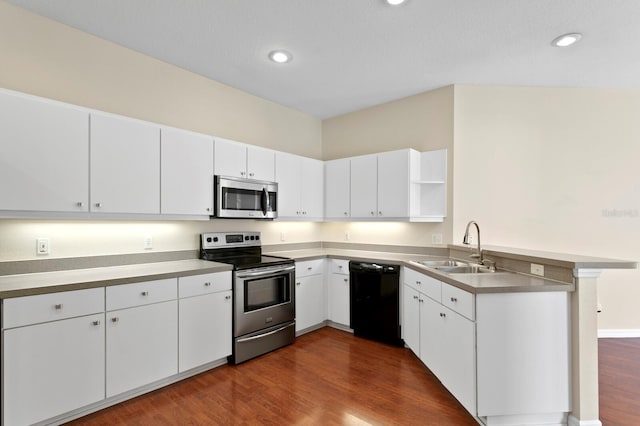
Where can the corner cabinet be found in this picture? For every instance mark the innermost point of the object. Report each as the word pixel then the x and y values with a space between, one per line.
pixel 44 155
pixel 300 187
pixel 339 295
pixel 337 194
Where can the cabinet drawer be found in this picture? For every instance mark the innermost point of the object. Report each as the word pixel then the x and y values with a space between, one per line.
pixel 339 266
pixel 458 300
pixel 423 283
pixel 144 293
pixel 309 267
pixel 197 285
pixel 27 310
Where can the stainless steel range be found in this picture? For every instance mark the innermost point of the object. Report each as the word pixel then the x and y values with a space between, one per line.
pixel 263 292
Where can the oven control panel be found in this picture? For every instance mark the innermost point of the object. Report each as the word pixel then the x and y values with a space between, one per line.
pixel 212 240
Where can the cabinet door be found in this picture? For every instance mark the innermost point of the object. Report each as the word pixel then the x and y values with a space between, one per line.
pixel 125 166
pixel 205 329
pixel 52 368
pixel 186 173
pixel 289 184
pixel 142 346
pixel 309 301
pixel 411 319
pixel 364 186
pixel 312 191
pixel 44 153
pixel 339 305
pixel 261 163
pixel 230 158
pixel 458 358
pixel 393 184
pixel 431 334
pixel 337 178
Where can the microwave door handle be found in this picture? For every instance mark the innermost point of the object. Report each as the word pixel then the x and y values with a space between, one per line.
pixel 265 201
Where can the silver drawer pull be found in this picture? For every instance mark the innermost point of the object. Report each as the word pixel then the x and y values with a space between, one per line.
pixel 339 266
pixel 227 297
pixel 443 315
pixel 80 204
pixel 297 283
pixel 415 297
pixel 115 319
pixel 419 282
pixel 145 293
pixel 96 322
pixel 309 268
pixel 454 299
pixel 98 204
pixel 207 284
pixel 58 306
pixel 346 279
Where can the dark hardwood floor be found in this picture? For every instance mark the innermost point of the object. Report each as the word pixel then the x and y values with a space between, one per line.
pixel 332 377
pixel 327 377
pixel 619 370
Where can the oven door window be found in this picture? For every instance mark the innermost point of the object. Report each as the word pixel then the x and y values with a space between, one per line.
pixel 265 292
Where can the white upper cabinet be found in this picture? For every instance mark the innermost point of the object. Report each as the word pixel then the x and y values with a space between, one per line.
pixel 397 185
pixel 337 178
pixel 186 173
pixel 125 165
pixel 241 160
pixel 364 186
pixel 44 151
pixel 300 187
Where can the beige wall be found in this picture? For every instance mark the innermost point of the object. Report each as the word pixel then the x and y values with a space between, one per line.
pixel 47 59
pixel 423 122
pixel 544 168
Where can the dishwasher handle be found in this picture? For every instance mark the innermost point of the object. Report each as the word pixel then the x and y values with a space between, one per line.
pixel 372 267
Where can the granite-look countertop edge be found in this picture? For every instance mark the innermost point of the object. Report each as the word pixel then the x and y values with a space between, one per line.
pixel 77 279
pixel 499 282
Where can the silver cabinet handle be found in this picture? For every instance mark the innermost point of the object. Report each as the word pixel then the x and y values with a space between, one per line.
pixel 419 282
pixel 339 266
pixel 115 319
pixel 380 213
pixel 421 300
pixel 96 322
pixel 415 297
pixel 145 293
pixel 227 297
pixel 208 209
pixel 309 268
pixel 80 204
pixel 443 315
pixel 297 283
pixel 346 279
pixel 454 299
pixel 373 213
pixel 346 214
pixel 98 204
pixel 58 306
pixel 251 174
pixel 207 284
pixel 242 173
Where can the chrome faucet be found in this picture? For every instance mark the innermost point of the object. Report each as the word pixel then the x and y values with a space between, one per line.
pixel 465 240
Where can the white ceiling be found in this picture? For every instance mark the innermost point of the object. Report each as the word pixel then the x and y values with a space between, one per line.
pixel 351 54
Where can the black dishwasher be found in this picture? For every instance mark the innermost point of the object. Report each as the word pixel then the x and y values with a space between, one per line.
pixel 375 301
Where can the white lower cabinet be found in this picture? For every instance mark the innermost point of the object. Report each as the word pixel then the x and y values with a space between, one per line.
pixel 142 339
pixel 205 312
pixel 339 305
pixel 444 340
pixel 310 294
pixel 50 368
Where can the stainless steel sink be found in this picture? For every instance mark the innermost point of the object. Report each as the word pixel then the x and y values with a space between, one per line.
pixel 443 263
pixel 468 269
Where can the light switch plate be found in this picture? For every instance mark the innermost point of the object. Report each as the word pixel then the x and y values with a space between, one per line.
pixel 42 246
pixel 148 243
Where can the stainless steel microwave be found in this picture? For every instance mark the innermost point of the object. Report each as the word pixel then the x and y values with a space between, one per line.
pixel 245 198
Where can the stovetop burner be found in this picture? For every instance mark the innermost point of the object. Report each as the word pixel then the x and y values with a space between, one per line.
pixel 241 249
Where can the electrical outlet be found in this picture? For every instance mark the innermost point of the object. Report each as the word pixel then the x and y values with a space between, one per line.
pixel 283 236
pixel 148 243
pixel 436 238
pixel 537 269
pixel 42 246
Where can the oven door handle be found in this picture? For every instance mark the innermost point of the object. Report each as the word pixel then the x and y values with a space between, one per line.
pixel 260 336
pixel 252 273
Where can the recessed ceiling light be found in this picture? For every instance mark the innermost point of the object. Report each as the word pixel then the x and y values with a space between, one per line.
pixel 566 40
pixel 395 2
pixel 280 56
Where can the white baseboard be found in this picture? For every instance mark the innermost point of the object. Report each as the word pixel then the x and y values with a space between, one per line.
pixel 618 333
pixel 575 422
